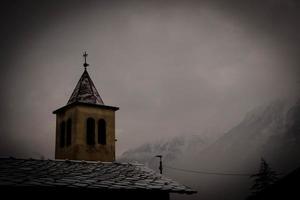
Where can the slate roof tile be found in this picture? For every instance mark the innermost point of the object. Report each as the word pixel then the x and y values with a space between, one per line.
pixel 85 91
pixel 87 174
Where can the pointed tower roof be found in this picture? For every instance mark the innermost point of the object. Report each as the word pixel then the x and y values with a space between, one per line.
pixel 85 91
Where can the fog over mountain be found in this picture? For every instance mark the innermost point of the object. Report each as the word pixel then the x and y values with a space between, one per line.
pixel 270 131
pixel 173 67
pixel 172 149
pixel 195 81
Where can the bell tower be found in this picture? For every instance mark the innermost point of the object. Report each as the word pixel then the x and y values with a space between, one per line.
pixel 85 127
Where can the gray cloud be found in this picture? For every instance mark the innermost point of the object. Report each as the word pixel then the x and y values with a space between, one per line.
pixel 173 67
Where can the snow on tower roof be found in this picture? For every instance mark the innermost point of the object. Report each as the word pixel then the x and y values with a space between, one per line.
pixel 85 91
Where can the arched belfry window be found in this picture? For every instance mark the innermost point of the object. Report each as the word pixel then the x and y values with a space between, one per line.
pixel 101 131
pixel 69 132
pixel 90 131
pixel 62 138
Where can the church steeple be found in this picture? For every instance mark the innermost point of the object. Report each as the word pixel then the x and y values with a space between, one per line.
pixel 85 127
pixel 85 90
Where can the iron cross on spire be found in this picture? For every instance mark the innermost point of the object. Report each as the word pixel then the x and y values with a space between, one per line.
pixel 85 64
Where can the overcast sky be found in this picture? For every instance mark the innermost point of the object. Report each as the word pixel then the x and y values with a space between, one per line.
pixel 173 67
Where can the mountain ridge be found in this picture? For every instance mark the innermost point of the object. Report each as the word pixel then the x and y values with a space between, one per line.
pixel 270 131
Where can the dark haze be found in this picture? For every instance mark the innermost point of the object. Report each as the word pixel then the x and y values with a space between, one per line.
pixel 173 67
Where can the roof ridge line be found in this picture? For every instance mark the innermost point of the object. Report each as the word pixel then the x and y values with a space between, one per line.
pixel 80 83
pixel 91 83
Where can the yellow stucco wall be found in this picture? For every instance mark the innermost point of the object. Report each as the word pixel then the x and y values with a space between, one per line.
pixel 79 150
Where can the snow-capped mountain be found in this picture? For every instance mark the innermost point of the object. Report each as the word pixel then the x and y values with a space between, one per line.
pixel 172 150
pixel 270 131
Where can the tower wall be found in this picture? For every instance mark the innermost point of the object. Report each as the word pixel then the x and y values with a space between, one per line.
pixel 79 149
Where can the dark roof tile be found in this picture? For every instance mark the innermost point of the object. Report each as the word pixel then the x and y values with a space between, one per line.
pixel 88 174
pixel 85 91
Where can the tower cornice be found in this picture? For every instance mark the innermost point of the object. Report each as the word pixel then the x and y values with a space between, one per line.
pixel 85 104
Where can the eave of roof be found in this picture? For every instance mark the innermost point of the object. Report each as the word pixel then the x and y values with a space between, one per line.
pixel 85 104
pixel 109 176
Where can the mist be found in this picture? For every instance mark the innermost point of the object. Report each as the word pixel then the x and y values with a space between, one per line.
pixel 173 67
